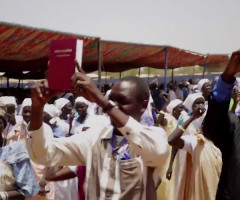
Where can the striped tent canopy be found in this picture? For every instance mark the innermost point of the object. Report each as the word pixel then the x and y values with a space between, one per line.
pixel 27 49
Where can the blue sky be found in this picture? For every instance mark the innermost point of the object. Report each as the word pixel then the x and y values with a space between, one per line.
pixel 206 26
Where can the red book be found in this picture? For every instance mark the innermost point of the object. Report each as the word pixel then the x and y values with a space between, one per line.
pixel 63 54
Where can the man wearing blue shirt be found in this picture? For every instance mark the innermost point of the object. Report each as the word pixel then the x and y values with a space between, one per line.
pixel 223 128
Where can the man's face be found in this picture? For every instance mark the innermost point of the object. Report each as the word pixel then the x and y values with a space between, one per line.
pixel 26 113
pixel 124 95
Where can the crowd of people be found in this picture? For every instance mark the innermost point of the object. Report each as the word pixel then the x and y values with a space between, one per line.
pixel 134 142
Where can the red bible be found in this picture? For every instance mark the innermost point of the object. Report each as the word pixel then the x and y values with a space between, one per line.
pixel 63 54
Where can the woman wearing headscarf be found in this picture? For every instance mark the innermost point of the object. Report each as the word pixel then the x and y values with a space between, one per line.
pixel 65 108
pixel 82 107
pixel 182 156
pixel 16 175
pixel 62 189
pixel 86 116
pixel 204 159
pixel 12 118
pixel 20 129
pixel 21 135
pixel 169 121
pixel 204 87
pixel 51 117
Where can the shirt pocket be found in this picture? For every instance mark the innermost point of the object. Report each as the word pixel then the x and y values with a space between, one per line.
pixel 131 179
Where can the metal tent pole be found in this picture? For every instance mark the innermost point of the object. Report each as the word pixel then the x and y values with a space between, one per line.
pixel 172 74
pixel 7 82
pixel 205 66
pixel 166 67
pixel 105 78
pixel 99 65
pixel 148 74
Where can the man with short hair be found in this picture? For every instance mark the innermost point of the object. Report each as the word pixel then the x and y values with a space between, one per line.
pixel 123 159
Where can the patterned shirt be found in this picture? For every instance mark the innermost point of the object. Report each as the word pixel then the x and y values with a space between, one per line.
pixel 16 170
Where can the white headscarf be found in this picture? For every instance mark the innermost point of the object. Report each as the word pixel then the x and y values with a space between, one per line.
pixel 26 102
pixel 188 103
pixel 52 111
pixel 91 107
pixel 8 100
pixel 60 103
pixel 83 100
pixel 173 104
pixel 201 83
pixel 67 95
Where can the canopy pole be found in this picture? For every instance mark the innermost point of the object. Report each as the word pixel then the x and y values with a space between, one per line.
pixel 99 66
pixel 148 74
pixel 205 66
pixel 19 83
pixel 120 75
pixel 105 78
pixel 172 74
pixel 139 71
pixel 7 82
pixel 166 68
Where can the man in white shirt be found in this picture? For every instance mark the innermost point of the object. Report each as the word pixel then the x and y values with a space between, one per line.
pixel 123 159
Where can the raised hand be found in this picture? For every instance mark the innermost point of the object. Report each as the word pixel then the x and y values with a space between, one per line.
pixel 233 66
pixel 198 111
pixel 169 174
pixel 41 94
pixel 84 86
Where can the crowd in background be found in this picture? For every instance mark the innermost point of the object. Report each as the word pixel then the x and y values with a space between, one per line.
pixel 192 170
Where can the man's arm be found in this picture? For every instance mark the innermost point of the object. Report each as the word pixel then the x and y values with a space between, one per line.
pixel 60 175
pixel 216 125
pixel 51 151
pixel 149 142
pixel 46 149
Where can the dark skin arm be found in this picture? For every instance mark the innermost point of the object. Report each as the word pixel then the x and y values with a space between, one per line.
pixel 88 89
pixel 63 174
pixel 232 68
pixel 173 155
pixel 71 117
pixel 161 120
pixel 13 195
pixel 175 139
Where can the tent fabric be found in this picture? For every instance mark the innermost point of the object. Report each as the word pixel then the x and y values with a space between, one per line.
pixel 27 49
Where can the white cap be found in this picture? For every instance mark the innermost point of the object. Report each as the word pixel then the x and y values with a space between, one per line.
pixel 60 103
pixel 8 100
pixel 26 102
pixel 188 103
pixel 201 83
pixel 173 104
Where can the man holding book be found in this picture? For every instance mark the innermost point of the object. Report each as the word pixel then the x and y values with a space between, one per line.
pixel 123 160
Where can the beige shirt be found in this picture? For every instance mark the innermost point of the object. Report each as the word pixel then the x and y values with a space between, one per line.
pixel 108 177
